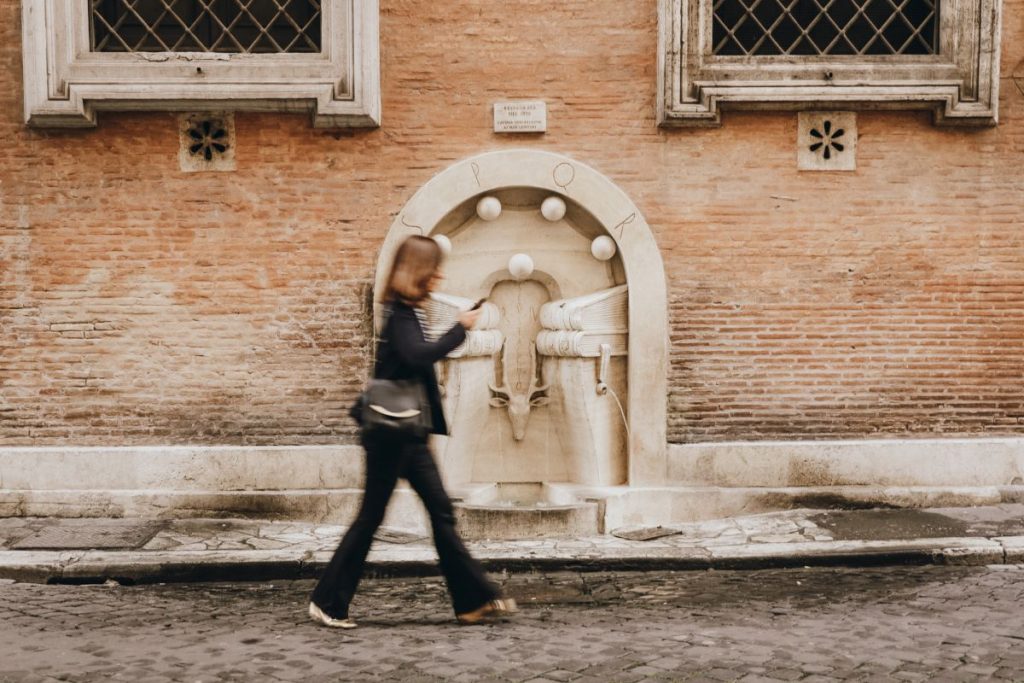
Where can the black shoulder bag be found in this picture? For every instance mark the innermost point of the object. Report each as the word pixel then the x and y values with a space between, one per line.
pixel 393 407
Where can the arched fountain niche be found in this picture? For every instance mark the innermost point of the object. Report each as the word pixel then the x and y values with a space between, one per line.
pixel 560 391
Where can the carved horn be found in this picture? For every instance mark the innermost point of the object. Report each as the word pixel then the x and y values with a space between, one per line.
pixel 534 371
pixel 503 389
pixel 502 392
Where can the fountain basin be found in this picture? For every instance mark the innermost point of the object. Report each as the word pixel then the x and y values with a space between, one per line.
pixel 510 510
pixel 520 494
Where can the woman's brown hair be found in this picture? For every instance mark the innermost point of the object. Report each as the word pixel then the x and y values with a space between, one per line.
pixel 416 261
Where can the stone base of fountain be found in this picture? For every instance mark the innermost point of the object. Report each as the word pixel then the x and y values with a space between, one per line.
pixel 524 510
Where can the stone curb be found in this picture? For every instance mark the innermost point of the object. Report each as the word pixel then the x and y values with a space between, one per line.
pixel 92 566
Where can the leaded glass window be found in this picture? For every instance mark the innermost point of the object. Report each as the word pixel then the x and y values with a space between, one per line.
pixel 825 27
pixel 232 26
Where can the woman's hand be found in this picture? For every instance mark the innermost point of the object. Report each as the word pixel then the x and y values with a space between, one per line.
pixel 468 318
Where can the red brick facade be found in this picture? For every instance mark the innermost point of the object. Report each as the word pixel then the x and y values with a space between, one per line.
pixel 143 305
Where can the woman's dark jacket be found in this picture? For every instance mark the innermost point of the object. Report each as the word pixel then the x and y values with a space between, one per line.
pixel 405 353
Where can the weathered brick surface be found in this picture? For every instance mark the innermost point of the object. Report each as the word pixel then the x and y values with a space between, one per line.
pixel 139 304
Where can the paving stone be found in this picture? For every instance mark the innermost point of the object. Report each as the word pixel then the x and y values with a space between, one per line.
pixel 666 663
pixel 106 534
pixel 816 669
pixel 644 670
pixel 776 538
pixel 161 542
pixel 979 669
pixel 197 545
pixel 786 674
pixel 265 543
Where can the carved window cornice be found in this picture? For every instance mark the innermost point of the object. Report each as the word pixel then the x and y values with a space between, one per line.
pixel 959 82
pixel 66 82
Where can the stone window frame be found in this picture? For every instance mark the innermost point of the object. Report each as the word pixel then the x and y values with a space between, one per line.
pixel 960 84
pixel 66 83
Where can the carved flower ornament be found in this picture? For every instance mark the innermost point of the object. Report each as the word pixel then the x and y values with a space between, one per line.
pixel 828 139
pixel 209 139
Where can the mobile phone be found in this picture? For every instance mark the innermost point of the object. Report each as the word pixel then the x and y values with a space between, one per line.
pixel 478 304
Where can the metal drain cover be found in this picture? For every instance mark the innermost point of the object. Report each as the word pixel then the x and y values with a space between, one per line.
pixel 105 536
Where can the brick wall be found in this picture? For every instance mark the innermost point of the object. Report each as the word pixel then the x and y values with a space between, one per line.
pixel 143 305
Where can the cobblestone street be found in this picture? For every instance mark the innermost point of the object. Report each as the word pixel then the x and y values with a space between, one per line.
pixel 910 623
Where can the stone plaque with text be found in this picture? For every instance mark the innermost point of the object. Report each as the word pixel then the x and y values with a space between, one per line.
pixel 525 116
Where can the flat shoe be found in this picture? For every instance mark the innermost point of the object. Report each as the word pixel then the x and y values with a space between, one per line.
pixel 319 616
pixel 489 611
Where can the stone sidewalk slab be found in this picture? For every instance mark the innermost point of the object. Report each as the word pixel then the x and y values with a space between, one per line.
pixel 202 550
pixel 1014 548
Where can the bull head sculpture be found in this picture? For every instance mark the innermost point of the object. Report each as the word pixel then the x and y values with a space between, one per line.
pixel 519 403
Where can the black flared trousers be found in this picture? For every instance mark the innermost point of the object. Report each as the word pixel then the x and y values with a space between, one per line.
pixel 387 459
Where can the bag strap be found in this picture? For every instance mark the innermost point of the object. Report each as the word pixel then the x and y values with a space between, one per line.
pixel 386 313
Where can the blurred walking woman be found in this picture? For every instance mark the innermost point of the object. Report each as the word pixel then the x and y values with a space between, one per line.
pixel 404 353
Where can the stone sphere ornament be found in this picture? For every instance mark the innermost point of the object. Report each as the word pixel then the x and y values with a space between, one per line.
pixel 444 243
pixel 521 266
pixel 603 248
pixel 553 208
pixel 488 208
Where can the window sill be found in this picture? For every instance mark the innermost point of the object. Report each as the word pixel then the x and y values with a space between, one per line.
pixel 66 85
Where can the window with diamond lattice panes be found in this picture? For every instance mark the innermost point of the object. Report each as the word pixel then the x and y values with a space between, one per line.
pixel 842 55
pixel 227 26
pixel 82 57
pixel 825 27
